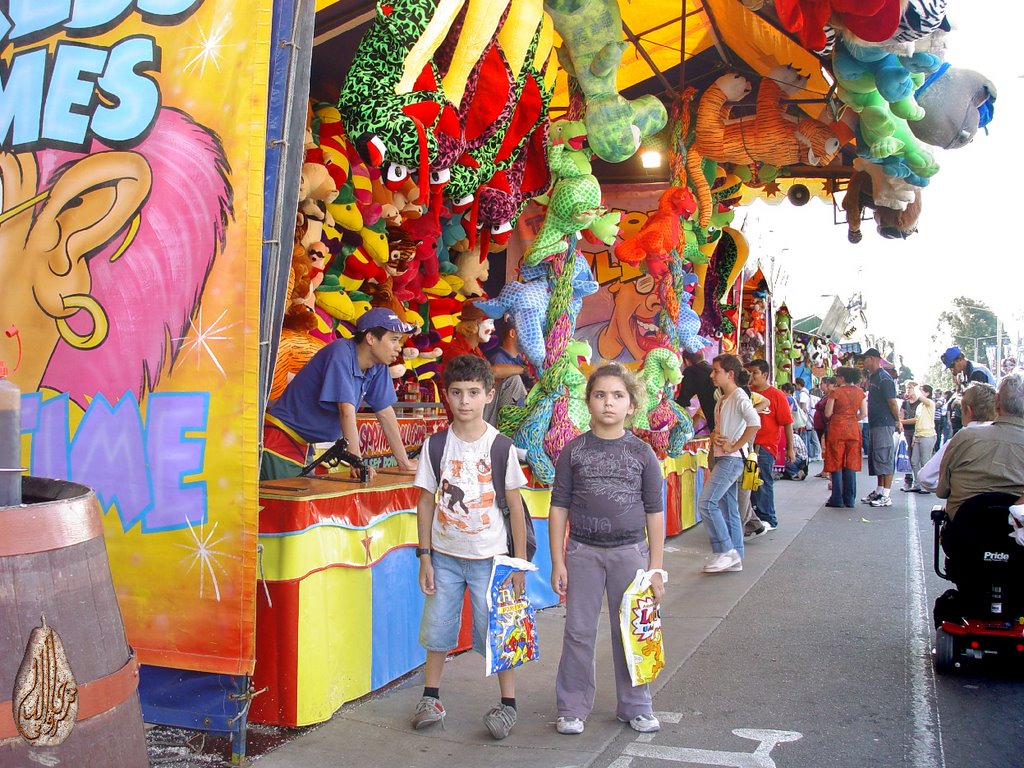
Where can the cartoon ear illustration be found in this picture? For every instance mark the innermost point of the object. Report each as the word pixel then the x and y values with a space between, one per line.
pixel 89 204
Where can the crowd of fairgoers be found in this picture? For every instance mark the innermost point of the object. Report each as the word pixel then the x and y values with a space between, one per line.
pixel 858 414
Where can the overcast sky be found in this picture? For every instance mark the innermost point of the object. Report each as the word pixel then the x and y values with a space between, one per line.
pixel 971 228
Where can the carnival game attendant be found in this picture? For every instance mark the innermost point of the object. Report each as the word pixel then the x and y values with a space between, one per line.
pixel 319 405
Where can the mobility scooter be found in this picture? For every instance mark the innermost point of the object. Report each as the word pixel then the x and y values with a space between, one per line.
pixel 984 614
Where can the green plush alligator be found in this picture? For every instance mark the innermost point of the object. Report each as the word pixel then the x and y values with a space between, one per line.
pixel 593 47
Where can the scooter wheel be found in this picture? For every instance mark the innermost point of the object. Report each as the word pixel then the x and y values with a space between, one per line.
pixel 945 651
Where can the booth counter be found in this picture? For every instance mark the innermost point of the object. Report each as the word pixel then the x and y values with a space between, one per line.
pixel 338 609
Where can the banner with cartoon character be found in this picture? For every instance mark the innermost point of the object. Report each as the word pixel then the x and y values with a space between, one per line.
pixel 131 154
pixel 619 320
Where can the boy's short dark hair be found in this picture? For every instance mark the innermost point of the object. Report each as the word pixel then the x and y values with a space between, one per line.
pixel 377 332
pixel 503 325
pixel 761 365
pixel 468 368
pixel 800 382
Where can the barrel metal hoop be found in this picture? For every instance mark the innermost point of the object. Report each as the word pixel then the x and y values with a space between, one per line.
pixel 32 528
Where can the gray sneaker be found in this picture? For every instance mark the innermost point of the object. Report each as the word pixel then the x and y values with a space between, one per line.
pixel 569 726
pixel 499 720
pixel 871 497
pixel 428 711
pixel 645 723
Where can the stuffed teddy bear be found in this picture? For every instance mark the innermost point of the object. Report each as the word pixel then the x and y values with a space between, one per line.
pixel 473 270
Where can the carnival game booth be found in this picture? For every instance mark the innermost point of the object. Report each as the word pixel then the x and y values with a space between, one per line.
pixel 149 324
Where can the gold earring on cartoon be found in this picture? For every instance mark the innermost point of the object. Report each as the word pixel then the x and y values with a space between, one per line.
pixel 100 324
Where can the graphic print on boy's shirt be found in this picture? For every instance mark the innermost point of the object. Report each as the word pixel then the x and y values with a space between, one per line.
pixel 466 497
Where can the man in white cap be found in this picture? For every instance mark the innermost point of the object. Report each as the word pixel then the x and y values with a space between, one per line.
pixel 319 405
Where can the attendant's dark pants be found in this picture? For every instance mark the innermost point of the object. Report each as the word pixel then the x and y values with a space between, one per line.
pixel 764 497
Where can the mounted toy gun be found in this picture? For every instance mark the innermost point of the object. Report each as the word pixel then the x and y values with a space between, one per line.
pixel 335 455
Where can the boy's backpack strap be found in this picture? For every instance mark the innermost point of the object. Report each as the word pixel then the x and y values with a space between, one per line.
pixel 500 449
pixel 435 452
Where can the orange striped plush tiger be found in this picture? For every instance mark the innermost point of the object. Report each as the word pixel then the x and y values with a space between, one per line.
pixel 772 135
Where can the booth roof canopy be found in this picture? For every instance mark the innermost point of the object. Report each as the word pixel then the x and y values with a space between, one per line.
pixel 720 36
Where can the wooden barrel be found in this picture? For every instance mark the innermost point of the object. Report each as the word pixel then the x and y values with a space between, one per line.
pixel 63 650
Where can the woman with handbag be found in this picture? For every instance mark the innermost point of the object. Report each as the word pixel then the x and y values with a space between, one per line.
pixel 846 405
pixel 736 424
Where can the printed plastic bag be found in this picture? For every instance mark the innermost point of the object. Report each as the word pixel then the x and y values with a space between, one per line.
pixel 511 628
pixel 902 455
pixel 640 622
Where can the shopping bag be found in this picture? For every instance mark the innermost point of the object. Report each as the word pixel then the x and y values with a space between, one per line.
pixel 751 477
pixel 640 624
pixel 511 627
pixel 902 456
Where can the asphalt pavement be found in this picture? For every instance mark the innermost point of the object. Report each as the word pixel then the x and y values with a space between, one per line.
pixel 817 654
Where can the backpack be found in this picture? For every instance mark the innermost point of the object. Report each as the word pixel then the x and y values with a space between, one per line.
pixel 499 462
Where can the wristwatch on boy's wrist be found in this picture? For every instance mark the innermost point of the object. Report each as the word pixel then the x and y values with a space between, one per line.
pixel 421 551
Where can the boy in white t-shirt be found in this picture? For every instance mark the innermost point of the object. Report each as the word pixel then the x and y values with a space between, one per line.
pixel 460 531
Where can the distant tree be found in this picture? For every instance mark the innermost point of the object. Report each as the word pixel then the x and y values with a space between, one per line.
pixel 969 320
pixel 939 376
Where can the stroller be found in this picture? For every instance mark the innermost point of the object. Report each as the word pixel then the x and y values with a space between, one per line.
pixel 984 614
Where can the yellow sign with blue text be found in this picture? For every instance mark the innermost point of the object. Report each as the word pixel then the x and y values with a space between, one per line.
pixel 132 138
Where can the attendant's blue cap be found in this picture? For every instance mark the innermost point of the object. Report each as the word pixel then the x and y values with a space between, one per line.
pixel 382 317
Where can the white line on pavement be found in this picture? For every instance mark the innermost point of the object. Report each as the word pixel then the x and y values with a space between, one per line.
pixel 927 736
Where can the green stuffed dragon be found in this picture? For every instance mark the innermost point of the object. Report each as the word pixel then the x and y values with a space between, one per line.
pixel 591 31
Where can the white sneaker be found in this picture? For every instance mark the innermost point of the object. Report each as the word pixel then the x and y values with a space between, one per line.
pixel 569 725
pixel 737 567
pixel 871 497
pixel 882 501
pixel 722 561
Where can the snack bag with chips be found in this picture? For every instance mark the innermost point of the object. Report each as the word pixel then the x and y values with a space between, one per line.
pixel 640 622
pixel 511 631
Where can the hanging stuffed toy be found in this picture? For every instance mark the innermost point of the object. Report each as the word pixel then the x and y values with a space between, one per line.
pixel 871 20
pixel 297 345
pixel 387 104
pixel 883 136
pixel 897 204
pixel 660 234
pixel 575 203
pixel 591 31
pixel 772 136
pixel 956 103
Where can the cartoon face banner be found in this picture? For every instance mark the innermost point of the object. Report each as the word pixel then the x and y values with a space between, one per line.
pixel 619 320
pixel 131 156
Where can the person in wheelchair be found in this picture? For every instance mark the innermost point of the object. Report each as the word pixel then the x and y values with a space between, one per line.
pixel 990 458
pixel 982 476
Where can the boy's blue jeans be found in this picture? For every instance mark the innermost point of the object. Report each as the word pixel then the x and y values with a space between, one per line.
pixel 442 611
